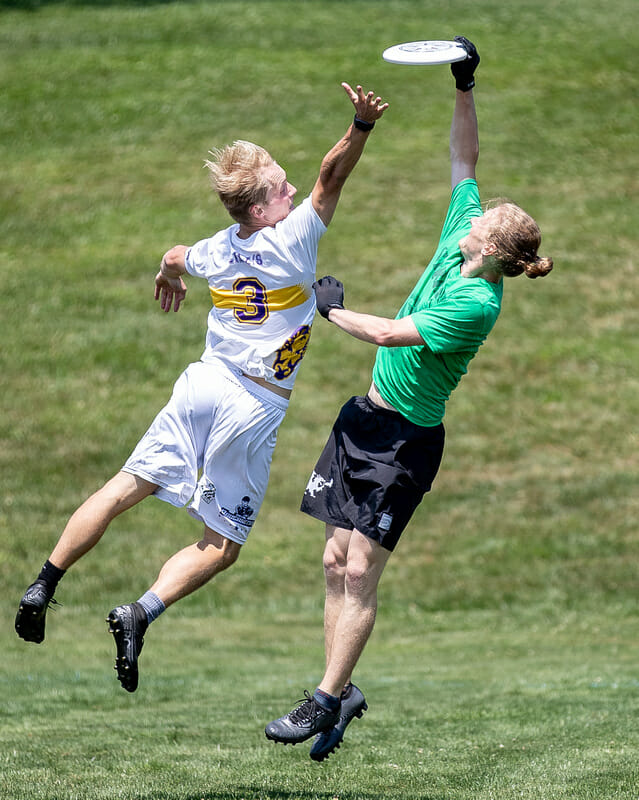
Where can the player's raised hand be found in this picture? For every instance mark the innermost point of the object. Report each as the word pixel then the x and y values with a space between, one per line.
pixel 169 291
pixel 368 106
pixel 464 71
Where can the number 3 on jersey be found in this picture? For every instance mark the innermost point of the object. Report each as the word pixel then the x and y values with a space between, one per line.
pixel 255 308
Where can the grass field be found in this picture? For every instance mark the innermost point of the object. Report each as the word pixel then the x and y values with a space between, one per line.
pixel 505 661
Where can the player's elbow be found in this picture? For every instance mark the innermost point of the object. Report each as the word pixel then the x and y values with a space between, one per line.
pixel 333 174
pixel 174 259
pixel 397 333
pixel 385 335
pixel 333 185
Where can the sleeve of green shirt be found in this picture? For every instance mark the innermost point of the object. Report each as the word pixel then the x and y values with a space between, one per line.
pixel 455 325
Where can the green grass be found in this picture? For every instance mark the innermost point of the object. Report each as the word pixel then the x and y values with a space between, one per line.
pixel 504 661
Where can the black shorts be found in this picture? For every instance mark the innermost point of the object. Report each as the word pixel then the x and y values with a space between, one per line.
pixel 373 472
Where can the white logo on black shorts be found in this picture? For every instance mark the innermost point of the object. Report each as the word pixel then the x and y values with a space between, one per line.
pixel 317 484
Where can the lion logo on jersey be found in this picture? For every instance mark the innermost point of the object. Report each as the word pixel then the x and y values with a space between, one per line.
pixel 291 352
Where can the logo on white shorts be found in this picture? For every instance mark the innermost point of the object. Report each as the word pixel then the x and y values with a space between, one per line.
pixel 317 484
pixel 242 514
pixel 208 493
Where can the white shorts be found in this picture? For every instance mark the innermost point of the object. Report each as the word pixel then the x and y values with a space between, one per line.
pixel 212 444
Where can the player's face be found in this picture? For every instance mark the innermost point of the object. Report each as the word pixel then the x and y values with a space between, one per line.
pixel 279 200
pixel 480 227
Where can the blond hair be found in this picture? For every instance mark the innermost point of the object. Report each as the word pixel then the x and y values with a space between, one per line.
pixel 517 238
pixel 239 177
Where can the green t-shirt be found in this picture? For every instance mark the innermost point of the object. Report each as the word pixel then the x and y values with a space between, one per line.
pixel 453 315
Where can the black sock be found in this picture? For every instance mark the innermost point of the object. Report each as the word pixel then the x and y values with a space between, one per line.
pixel 327 701
pixel 50 575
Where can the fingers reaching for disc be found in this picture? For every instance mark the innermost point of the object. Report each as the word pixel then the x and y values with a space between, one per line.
pixel 368 106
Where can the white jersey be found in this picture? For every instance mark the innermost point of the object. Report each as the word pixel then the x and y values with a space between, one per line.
pixel 261 288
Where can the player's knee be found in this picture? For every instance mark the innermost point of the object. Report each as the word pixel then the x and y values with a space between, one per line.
pixel 230 553
pixel 122 492
pixel 221 551
pixel 359 579
pixel 334 562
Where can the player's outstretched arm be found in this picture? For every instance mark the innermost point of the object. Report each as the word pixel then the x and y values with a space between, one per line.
pixel 464 137
pixel 170 289
pixel 340 161
pixel 384 332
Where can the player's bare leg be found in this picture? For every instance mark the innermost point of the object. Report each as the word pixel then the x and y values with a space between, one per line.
pixel 183 573
pixel 195 565
pixel 321 713
pixel 353 702
pixel 85 528
pixel 365 563
pixel 335 556
pixel 82 532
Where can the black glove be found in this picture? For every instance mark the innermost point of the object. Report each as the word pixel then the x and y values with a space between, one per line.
pixel 464 71
pixel 329 293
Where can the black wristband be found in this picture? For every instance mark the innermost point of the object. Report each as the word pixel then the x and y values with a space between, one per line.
pixel 362 125
pixel 465 85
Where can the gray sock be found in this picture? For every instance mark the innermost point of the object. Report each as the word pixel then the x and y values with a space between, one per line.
pixel 152 604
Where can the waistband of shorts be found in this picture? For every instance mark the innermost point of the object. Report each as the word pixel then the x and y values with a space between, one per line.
pixel 390 412
pixel 372 406
pixel 261 391
pixel 375 397
pixel 234 374
pixel 280 391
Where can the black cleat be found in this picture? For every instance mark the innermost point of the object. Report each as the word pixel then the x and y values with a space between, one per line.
pixel 304 721
pixel 128 624
pixel 353 705
pixel 32 612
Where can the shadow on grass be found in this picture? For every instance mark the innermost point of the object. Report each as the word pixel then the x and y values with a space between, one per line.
pixel 257 793
pixel 34 5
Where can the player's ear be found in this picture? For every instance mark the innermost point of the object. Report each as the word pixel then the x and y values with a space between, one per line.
pixel 256 212
pixel 489 249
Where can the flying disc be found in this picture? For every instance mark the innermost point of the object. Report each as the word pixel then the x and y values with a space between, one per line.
pixel 432 51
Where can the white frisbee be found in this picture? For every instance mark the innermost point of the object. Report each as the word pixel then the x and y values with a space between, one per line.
pixel 432 51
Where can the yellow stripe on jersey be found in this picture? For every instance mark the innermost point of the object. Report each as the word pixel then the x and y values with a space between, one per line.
pixel 274 300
